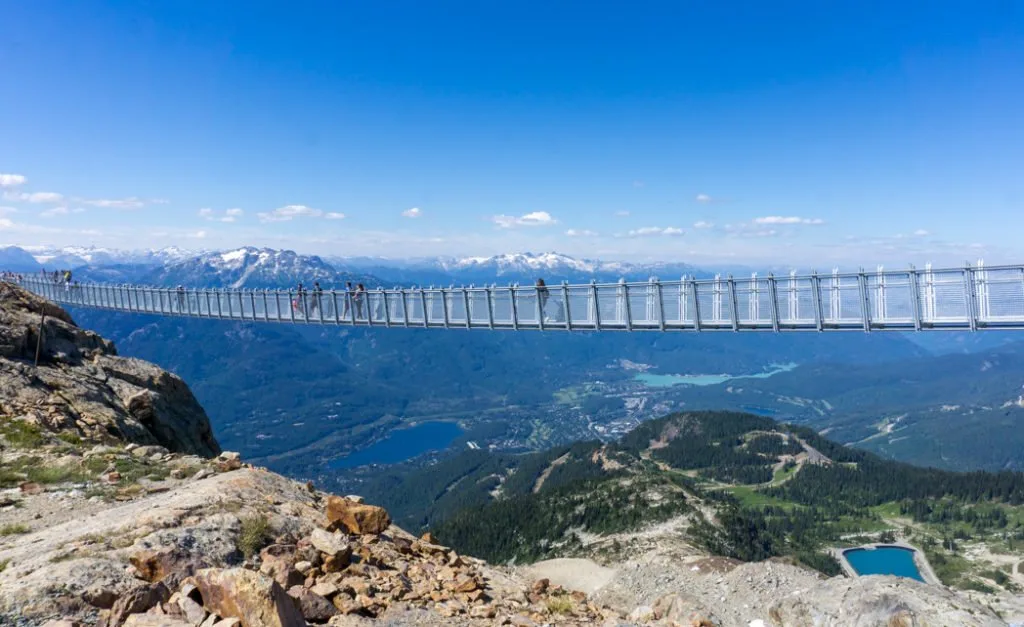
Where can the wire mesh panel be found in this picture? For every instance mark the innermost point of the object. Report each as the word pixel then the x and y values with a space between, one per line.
pixel 501 304
pixel 840 300
pixel 581 305
pixel 794 297
pixel 527 301
pixel 891 295
pixel 611 305
pixel 643 305
pixel 753 302
pixel 713 303
pixel 476 301
pixel 1000 294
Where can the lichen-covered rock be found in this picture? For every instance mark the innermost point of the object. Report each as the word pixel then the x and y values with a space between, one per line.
pixel 255 599
pixel 355 517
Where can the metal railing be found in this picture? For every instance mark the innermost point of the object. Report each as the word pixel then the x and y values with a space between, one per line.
pixel 968 298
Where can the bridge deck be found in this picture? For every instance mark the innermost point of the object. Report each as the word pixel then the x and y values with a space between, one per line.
pixel 969 298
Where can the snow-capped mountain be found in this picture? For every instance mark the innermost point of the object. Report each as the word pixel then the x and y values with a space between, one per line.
pixel 270 268
pixel 522 262
pixel 253 268
pixel 78 256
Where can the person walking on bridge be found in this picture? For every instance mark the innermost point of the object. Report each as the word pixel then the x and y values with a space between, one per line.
pixel 346 300
pixel 360 296
pixel 315 298
pixel 542 296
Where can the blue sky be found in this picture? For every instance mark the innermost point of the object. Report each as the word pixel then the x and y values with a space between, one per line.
pixel 856 133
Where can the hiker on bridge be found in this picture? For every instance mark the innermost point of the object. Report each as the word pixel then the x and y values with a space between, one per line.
pixel 318 293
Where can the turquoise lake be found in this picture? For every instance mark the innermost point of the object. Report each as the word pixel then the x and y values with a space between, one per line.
pixel 666 380
pixel 887 560
pixel 403 444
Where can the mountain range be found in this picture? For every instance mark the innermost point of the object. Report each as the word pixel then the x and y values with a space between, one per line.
pixel 261 267
pixel 347 388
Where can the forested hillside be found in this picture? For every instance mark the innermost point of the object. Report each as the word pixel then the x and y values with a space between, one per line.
pixel 750 488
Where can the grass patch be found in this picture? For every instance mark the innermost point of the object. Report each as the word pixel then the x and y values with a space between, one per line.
pixel 950 569
pixel 255 534
pixel 4 564
pixel 976 586
pixel 749 497
pixel 13 530
pixel 55 474
pixel 70 438
pixel 560 605
pixel 21 434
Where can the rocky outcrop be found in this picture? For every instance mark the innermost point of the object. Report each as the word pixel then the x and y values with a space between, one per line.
pixel 869 601
pixel 355 517
pixel 81 388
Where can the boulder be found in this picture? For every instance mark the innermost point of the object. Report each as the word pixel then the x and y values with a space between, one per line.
pixel 331 544
pixel 156 565
pixel 684 611
pixel 313 606
pixel 138 601
pixel 357 518
pixel 278 562
pixel 193 611
pixel 257 600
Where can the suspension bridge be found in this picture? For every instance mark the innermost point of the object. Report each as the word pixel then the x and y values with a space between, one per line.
pixel 970 298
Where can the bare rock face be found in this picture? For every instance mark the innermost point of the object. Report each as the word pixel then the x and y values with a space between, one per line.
pixel 249 596
pixel 869 601
pixel 83 388
pixel 344 513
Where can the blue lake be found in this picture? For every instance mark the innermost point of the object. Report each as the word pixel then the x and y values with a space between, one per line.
pixel 403 444
pixel 666 380
pixel 887 560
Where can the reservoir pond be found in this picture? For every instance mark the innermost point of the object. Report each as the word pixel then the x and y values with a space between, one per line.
pixel 403 444
pixel 885 560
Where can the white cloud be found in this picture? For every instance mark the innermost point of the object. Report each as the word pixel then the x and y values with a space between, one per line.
pixel 289 212
pixel 653 231
pixel 415 212
pixel 230 215
pixel 334 215
pixel 622 214
pixel 198 235
pixel 12 180
pixel 131 202
pixel 7 210
pixel 703 198
pixel 702 224
pixel 581 233
pixel 56 211
pixel 535 218
pixel 787 220
pixel 35 197
pixel 6 223
pixel 921 233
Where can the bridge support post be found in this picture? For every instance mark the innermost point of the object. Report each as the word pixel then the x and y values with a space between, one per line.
pixel 865 302
pixel 773 295
pixel 915 298
pixel 695 303
pixel 734 310
pixel 969 293
pixel 816 303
